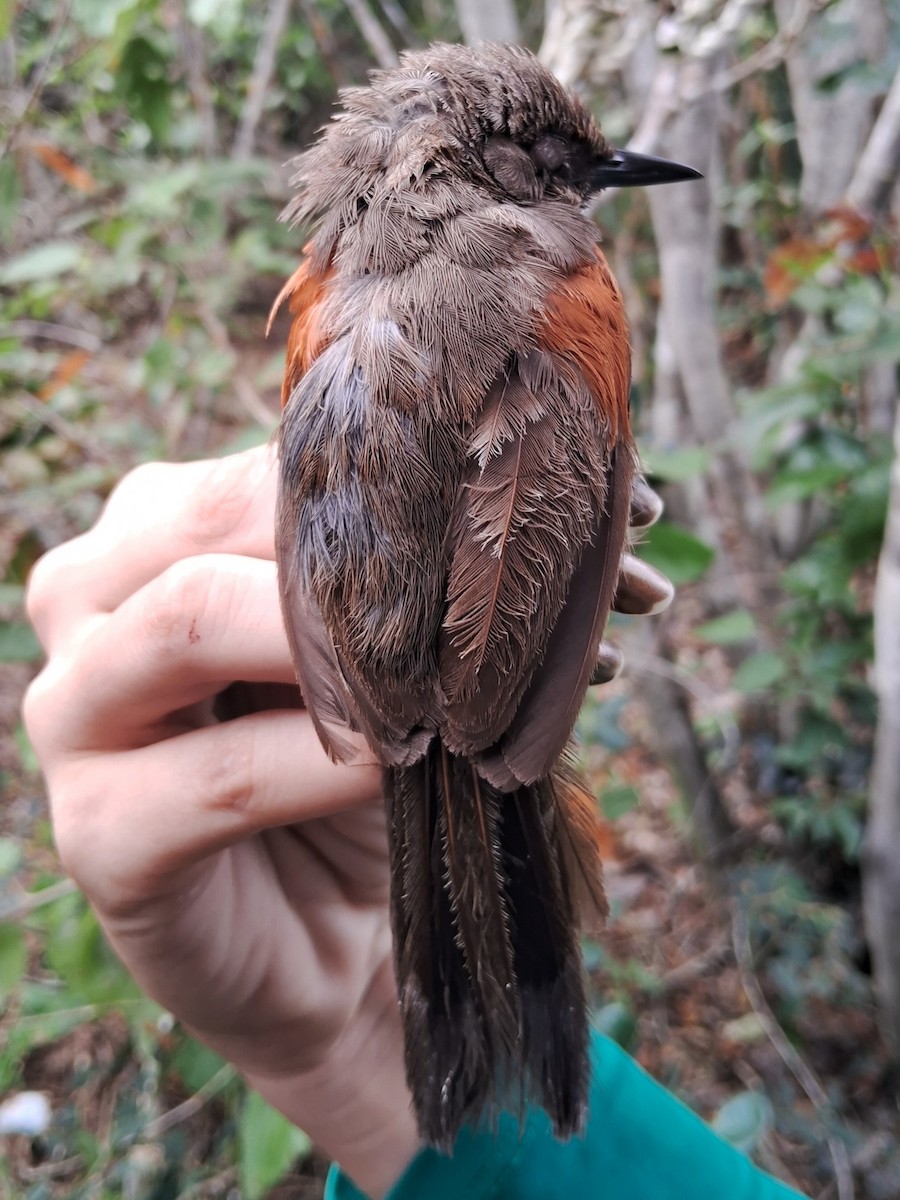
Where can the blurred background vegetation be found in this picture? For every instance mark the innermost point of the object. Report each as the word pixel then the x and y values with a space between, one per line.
pixel 142 145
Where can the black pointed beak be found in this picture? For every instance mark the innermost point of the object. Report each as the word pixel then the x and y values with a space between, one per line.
pixel 626 169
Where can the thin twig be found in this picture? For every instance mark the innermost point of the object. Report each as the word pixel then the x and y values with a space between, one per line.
pixel 195 61
pixel 694 968
pixel 19 909
pixel 802 1072
pixel 222 1179
pixel 40 77
pixel 773 53
pixel 55 1169
pixel 246 393
pixel 656 664
pixel 370 27
pixel 876 171
pixel 56 333
pixel 263 70
pixel 190 1107
pixel 67 430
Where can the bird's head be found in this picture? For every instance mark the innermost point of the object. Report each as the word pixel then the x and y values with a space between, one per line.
pixel 490 117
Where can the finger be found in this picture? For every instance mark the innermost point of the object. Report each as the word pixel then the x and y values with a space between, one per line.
pixel 129 825
pixel 609 664
pixel 646 505
pixel 180 639
pixel 158 514
pixel 641 590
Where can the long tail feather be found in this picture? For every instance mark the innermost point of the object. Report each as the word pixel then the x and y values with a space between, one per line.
pixel 489 971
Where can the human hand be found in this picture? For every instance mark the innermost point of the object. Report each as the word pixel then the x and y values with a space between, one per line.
pixel 241 876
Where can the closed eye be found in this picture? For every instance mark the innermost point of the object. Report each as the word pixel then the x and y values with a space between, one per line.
pixel 549 153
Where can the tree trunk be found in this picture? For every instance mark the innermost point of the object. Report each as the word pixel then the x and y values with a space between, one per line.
pixel 481 21
pixel 833 122
pixel 881 857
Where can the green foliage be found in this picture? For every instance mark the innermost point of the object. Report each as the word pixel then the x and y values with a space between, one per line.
pixel 13 959
pixel 617 799
pixel 617 1021
pixel 729 630
pixel 268 1144
pixel 744 1120
pixel 138 260
pixel 807 437
pixel 677 553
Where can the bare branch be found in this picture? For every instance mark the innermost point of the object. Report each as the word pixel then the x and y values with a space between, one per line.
pixel 190 1107
pixel 263 70
pixel 881 859
pixel 370 27
pixel 488 22
pixel 40 78
pixel 798 1067
pixel 876 171
pixel 195 62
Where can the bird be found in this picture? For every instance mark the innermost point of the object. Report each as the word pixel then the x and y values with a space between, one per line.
pixel 457 478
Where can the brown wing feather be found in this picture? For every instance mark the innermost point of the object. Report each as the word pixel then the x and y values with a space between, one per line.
pixel 325 690
pixel 327 696
pixel 522 516
pixel 544 721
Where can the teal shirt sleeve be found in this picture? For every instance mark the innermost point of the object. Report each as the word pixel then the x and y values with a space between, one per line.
pixel 641 1143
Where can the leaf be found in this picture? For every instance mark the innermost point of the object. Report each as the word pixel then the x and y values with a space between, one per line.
pixel 98 18
pixel 6 16
pixel 47 261
pixel 157 195
pixel 676 552
pixel 616 1021
pixel 221 17
pixel 195 1064
pixel 759 672
pixel 676 465
pixel 11 594
pixel 9 194
pixel 744 1030
pixel 793 261
pixel 599 723
pixel 13 959
pixel 63 166
pixel 618 800
pixel 10 856
pixel 268 1144
pixel 18 642
pixel 67 369
pixel 744 1120
pixel 728 630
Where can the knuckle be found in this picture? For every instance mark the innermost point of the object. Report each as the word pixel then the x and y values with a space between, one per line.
pixel 39 706
pixel 45 591
pixel 219 500
pixel 79 824
pixel 140 485
pixel 176 601
pixel 229 781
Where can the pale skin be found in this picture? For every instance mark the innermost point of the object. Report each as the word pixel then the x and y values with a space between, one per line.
pixel 241 876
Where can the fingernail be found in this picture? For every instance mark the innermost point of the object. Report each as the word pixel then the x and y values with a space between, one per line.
pixel 646 505
pixel 642 590
pixel 609 664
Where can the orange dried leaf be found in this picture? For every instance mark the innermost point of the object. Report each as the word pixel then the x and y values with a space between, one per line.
pixel 75 176
pixel 66 369
pixel 790 264
pixel 853 225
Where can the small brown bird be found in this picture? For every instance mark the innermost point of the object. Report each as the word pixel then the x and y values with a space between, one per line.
pixel 457 474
